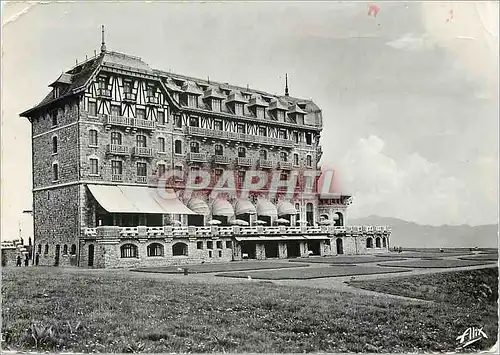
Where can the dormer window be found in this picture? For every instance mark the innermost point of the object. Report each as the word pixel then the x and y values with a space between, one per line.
pixel 259 112
pixel 280 115
pixel 56 92
pixel 175 96
pixel 216 105
pixel 238 108
pixel 192 100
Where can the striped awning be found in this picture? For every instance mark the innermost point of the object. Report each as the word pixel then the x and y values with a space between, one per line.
pixel 243 206
pixel 266 208
pixel 285 207
pixel 198 206
pixel 136 199
pixel 222 208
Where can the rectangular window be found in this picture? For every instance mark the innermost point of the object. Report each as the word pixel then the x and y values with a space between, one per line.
pixel 177 121
pixel 282 134
pixel 194 121
pixel 192 101
pixel 141 169
pixel 93 137
pixel 150 91
pixel 296 159
pixel 54 117
pixel 280 115
pixel 102 82
pixel 308 138
pixel 199 245
pixel 94 168
pixel 220 253
pixel 218 125
pixel 127 87
pixel 116 138
pixel 219 244
pixel 216 105
pixel 218 174
pixel 238 109
pixel 209 253
pixel 161 118
pixel 263 131
pixel 116 167
pixel 92 109
pixel 161 170
pixel 296 137
pixel 229 245
pixel 210 244
pixel 141 141
pixel 140 113
pixel 55 172
pixel 240 177
pixel 259 112
pixel 218 149
pixel 241 128
pixel 242 152
pixel 161 144
pixel 115 110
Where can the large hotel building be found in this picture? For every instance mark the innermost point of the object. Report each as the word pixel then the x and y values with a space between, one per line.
pixel 112 127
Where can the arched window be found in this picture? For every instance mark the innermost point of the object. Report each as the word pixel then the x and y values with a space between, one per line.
pixel 296 159
pixel 263 154
pixel 161 144
pixel 195 147
pixel 73 249
pixel 46 249
pixel 377 242
pixel 65 249
pixel 155 249
pixel 54 145
pixel 179 249
pixel 116 138
pixel 339 220
pixel 242 152
pixel 93 137
pixel 39 248
pixel 178 147
pixel 369 242
pixel 218 149
pixel 384 242
pixel 55 172
pixel 309 161
pixel 129 251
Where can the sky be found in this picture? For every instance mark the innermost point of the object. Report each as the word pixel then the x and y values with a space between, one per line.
pixel 409 93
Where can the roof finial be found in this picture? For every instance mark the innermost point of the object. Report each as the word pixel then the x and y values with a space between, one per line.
pixel 103 45
pixel 208 79
pixel 286 84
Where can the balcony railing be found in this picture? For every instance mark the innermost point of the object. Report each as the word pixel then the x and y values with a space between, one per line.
pixel 143 124
pixel 152 100
pixel 215 231
pixel 241 137
pixel 264 163
pixel 142 152
pixel 118 149
pixel 128 96
pixel 142 179
pixel 221 159
pixel 244 161
pixel 117 120
pixel 197 157
pixel 285 165
pixel 102 92
pixel 117 177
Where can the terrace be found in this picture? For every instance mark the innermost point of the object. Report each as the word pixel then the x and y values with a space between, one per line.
pixel 114 232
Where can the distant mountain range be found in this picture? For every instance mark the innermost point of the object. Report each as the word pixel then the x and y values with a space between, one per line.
pixel 413 235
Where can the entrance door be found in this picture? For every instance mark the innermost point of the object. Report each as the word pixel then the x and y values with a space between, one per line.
pixel 272 249
pixel 58 253
pixel 248 248
pixel 340 246
pixel 91 255
pixel 293 249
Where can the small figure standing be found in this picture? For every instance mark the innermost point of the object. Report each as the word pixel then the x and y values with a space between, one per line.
pixel 18 260
pixel 26 261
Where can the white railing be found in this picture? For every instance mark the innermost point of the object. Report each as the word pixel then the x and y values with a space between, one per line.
pixel 208 231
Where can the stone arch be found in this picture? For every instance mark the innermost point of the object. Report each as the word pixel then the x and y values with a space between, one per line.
pixel 369 243
pixel 155 249
pixel 339 219
pixel 179 249
pixel 384 242
pixel 129 250
pixel 377 242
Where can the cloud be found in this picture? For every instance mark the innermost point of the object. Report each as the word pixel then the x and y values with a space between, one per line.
pixel 411 42
pixel 412 188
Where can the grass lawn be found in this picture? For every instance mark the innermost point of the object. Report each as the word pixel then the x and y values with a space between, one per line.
pixel 343 259
pixel 435 263
pixel 487 257
pixel 423 255
pixel 206 268
pixel 57 310
pixel 313 273
pixel 472 292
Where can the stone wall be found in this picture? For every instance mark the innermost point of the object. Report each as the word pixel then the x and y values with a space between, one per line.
pixel 56 218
